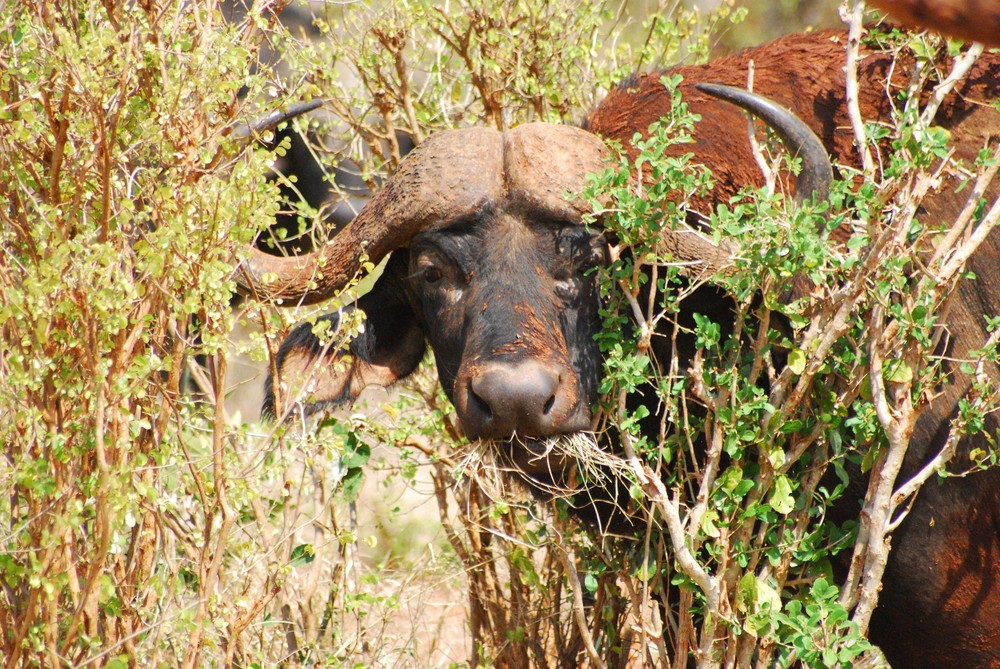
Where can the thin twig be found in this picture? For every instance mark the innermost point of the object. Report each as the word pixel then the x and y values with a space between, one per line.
pixel 755 147
pixel 568 559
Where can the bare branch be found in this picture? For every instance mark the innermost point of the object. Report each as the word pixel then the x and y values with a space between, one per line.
pixel 852 12
pixel 959 69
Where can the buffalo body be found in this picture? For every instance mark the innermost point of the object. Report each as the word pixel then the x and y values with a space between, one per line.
pixel 491 269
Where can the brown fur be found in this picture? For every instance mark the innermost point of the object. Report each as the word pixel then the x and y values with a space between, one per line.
pixel 804 73
pixel 977 20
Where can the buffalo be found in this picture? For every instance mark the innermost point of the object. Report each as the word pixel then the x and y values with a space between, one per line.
pixel 490 266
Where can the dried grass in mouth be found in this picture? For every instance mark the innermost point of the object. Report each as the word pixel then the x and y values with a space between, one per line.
pixel 575 464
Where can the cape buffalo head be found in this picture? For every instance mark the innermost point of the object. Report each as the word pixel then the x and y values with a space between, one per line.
pixel 492 267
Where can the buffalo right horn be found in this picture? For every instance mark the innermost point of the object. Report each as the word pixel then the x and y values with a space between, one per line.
pixel 251 131
pixel 451 174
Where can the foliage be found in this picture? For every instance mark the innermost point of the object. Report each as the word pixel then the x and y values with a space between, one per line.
pixel 147 522
pixel 814 378
pixel 125 197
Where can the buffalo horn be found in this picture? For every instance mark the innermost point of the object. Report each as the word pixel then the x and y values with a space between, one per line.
pixel 449 176
pixel 250 131
pixel 817 172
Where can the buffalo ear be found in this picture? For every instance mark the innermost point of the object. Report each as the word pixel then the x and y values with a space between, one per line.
pixel 320 374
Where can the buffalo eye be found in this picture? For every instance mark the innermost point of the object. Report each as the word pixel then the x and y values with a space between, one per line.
pixel 579 253
pixel 565 290
pixel 597 251
pixel 431 274
pixel 589 259
pixel 428 269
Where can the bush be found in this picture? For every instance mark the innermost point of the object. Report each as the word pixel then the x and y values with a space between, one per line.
pixel 125 197
pixel 149 523
pixel 807 393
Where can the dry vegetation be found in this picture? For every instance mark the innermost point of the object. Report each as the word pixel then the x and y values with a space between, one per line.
pixel 146 521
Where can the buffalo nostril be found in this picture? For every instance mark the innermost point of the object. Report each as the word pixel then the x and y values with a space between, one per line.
pixel 547 409
pixel 482 405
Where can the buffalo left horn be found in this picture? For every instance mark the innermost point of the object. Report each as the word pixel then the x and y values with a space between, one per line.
pixel 700 255
pixel 817 172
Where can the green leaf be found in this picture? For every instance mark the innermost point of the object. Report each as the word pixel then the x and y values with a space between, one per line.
pixel 792 426
pixel 350 485
pixel 897 371
pixel 776 456
pixel 797 361
pixel 303 554
pixel 708 526
pixel 781 499
pixel 756 595
pixel 356 454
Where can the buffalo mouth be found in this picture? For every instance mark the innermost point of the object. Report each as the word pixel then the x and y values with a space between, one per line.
pixel 577 467
pixel 555 464
pixel 552 457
